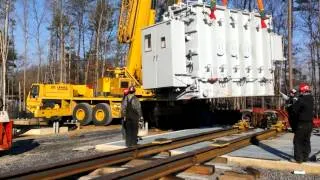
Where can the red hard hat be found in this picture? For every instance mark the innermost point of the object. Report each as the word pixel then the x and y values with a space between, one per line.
pixel 132 89
pixel 303 88
pixel 125 92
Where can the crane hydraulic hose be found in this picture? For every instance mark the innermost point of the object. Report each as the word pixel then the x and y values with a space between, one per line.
pixel 225 2
pixel 262 13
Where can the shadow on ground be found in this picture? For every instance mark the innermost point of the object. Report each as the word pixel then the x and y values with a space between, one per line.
pixel 315 157
pixel 22 146
pixel 274 151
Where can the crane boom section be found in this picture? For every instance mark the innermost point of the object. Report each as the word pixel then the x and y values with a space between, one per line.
pixel 135 15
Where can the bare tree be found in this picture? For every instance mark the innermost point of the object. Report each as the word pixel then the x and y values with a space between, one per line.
pixel 50 75
pixel 62 60
pixel 97 21
pixel 4 42
pixel 89 57
pixel 25 27
pixel 59 28
pixel 100 21
pixel 78 11
pixel 39 18
pixel 309 16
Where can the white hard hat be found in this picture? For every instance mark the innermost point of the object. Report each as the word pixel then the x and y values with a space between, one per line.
pixel 293 91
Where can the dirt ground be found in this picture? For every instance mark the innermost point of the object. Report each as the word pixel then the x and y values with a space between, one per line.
pixel 31 151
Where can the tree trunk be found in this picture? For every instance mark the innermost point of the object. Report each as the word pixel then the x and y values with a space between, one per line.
pixel 77 74
pixel 26 38
pixel 4 52
pixel 83 48
pixel 71 72
pixel 97 51
pixel 318 58
pixel 20 109
pixel 97 59
pixel 104 57
pixel 39 21
pixel 62 67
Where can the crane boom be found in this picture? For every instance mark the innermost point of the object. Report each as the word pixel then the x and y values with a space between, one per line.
pixel 135 15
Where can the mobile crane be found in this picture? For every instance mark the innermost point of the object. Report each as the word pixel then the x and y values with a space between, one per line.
pixel 84 104
pixel 100 105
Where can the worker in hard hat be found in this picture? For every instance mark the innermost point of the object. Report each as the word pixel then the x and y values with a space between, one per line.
pixel 304 111
pixel 132 115
pixel 293 98
pixel 123 112
pixel 289 101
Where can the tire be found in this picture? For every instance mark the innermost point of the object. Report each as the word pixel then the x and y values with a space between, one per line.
pixel 82 113
pixel 101 115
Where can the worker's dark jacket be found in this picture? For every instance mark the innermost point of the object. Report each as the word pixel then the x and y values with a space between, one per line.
pixel 289 104
pixel 303 108
pixel 131 107
pixel 292 115
pixel 124 105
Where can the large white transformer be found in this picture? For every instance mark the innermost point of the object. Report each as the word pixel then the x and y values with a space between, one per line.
pixel 199 57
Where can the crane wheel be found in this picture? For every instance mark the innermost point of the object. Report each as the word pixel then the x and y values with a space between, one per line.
pixel 101 114
pixel 82 113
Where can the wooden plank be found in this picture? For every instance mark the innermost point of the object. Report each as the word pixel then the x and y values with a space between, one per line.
pixel 29 122
pixel 176 152
pixel 165 154
pixel 219 143
pixel 221 160
pixel 106 170
pixel 232 177
pixel 44 131
pixel 101 171
pixel 201 169
pixel 309 168
pixel 135 162
pixel 161 141
pixel 83 148
pixel 108 147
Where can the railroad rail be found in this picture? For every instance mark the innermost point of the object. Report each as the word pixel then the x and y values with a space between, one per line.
pixel 84 165
pixel 164 167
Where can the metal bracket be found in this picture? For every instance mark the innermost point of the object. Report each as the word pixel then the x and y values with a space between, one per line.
pixel 241 81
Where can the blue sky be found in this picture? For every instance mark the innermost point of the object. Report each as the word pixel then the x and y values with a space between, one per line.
pixel 42 6
pixel 44 36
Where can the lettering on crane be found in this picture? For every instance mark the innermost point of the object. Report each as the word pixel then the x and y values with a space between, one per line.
pixel 62 88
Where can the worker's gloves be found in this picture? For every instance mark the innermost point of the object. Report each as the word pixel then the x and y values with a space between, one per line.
pixel 285 97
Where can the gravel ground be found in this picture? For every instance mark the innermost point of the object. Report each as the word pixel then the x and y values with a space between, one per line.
pixel 27 153
pixel 38 151
pixel 267 174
